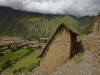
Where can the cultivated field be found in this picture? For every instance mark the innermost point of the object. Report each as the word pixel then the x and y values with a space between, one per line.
pixel 18 61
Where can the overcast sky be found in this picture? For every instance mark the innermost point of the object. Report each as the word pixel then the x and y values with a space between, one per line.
pixel 75 7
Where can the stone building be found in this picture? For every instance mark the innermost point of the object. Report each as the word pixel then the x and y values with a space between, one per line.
pixel 58 49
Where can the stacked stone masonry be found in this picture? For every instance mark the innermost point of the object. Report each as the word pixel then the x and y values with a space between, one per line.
pixel 92 43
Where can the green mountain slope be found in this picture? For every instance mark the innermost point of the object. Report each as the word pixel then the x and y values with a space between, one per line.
pixel 86 23
pixel 29 25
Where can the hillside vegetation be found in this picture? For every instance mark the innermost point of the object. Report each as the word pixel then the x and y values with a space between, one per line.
pixel 29 25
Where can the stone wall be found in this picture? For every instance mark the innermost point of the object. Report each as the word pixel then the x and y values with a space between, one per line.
pixel 96 28
pixel 92 43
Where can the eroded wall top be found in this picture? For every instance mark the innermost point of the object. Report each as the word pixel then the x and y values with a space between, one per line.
pixel 96 29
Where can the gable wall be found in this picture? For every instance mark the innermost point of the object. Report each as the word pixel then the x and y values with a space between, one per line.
pixel 58 51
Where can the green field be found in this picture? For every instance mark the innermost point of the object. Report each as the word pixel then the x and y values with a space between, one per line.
pixel 10 55
pixel 23 62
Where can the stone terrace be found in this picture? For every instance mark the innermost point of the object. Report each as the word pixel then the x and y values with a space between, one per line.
pixel 92 43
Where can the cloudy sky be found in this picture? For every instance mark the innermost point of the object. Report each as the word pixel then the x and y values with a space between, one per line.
pixel 75 7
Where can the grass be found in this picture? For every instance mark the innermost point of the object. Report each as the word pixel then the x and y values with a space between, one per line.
pixel 10 55
pixel 23 62
pixel 87 46
pixel 5 52
pixel 79 57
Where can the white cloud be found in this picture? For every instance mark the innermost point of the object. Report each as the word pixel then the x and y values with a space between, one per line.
pixel 76 7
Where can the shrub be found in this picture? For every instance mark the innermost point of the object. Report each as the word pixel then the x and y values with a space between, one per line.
pixel 1 54
pixel 14 71
pixel 9 47
pixel 39 46
pixel 19 46
pixel 1 50
pixel 32 50
pixel 79 57
pixel 28 68
pixel 7 52
pixel 29 52
pixel 19 70
pixel 14 59
pixel 13 50
pixel 33 66
pixel 9 62
pixel 6 64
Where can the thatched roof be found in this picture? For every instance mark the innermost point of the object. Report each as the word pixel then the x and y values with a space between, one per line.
pixel 61 25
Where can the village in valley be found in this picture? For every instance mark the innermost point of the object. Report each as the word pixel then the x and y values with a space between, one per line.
pixel 19 42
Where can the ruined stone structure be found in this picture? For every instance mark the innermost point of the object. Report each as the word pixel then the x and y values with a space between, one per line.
pixel 58 49
pixel 92 43
pixel 96 29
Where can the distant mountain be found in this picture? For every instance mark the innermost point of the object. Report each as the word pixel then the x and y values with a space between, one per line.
pixel 29 25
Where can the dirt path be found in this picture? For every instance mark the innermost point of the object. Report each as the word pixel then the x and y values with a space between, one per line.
pixel 85 67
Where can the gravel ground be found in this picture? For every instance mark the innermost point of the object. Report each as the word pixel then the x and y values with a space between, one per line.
pixel 85 67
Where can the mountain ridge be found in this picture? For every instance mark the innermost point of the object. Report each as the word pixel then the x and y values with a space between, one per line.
pixel 28 25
